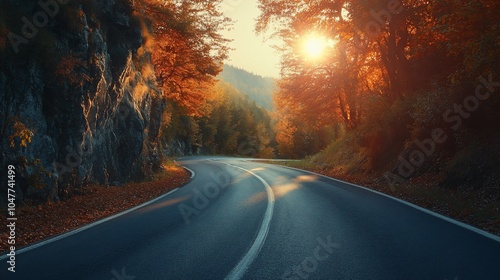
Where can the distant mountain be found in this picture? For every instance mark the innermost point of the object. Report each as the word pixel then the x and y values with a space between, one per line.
pixel 259 89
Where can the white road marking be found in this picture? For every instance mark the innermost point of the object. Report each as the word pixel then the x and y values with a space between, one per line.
pixel 191 171
pixel 75 231
pixel 239 270
pixel 427 211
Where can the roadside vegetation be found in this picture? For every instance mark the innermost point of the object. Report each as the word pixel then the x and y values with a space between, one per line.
pixel 231 124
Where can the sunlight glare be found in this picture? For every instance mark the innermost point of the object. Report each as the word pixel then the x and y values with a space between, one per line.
pixel 314 46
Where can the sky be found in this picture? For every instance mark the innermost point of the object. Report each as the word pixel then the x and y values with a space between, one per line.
pixel 251 52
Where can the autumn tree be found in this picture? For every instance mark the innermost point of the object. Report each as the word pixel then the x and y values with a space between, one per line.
pixel 187 48
pixel 470 33
pixel 318 86
pixel 390 71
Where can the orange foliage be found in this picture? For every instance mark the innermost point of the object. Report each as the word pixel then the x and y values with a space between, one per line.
pixel 187 50
pixel 384 52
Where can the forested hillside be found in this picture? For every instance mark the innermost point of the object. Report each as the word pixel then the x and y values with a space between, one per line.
pixel 259 89
pixel 231 124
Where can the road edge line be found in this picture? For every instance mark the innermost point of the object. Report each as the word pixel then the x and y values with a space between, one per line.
pixel 425 210
pixel 190 171
pixel 85 227
pixel 239 270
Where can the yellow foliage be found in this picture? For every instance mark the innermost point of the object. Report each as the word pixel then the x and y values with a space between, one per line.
pixel 23 133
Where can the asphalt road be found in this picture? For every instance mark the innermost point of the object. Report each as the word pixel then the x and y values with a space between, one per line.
pixel 240 219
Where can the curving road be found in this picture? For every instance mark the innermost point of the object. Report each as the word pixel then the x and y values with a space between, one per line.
pixel 239 219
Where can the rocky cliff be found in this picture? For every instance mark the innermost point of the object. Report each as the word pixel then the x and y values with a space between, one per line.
pixel 79 99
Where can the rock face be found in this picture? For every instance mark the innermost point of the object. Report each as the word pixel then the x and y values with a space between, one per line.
pixel 79 100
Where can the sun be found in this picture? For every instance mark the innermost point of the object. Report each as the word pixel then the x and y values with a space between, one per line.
pixel 314 46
